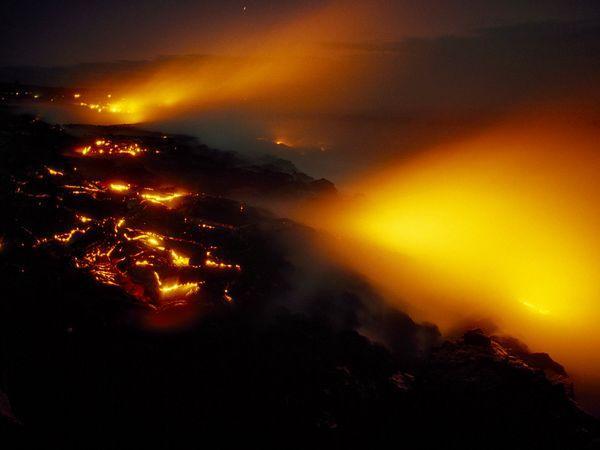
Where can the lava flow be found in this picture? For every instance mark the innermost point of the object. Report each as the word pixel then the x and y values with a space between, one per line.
pixel 144 240
pixel 106 147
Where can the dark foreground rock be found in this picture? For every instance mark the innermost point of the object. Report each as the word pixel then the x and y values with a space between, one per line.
pixel 479 393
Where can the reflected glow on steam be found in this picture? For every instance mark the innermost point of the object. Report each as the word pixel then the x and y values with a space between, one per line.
pixel 503 226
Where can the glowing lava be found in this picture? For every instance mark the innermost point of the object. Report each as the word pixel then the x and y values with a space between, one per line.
pixel 54 172
pixel 180 260
pixel 106 147
pixel 163 199
pixel 176 288
pixel 119 249
pixel 119 187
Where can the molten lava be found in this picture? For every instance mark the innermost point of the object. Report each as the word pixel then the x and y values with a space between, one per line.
pixel 163 199
pixel 115 238
pixel 119 187
pixel 106 147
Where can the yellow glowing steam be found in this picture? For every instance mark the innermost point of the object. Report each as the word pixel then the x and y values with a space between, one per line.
pixel 271 66
pixel 503 226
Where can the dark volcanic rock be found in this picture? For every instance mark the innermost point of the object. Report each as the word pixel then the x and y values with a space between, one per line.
pixel 541 361
pixel 479 394
pixel 477 338
pixel 272 355
pixel 6 413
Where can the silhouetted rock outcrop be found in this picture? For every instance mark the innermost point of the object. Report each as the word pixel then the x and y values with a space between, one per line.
pixel 480 394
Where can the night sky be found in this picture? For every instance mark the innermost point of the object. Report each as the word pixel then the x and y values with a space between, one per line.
pixel 68 31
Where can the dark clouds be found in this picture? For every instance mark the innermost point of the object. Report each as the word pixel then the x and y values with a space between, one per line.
pixel 489 67
pixel 69 31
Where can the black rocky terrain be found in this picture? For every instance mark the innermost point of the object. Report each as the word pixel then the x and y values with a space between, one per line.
pixel 147 304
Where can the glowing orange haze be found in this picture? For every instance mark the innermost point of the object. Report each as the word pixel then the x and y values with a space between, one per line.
pixel 277 68
pixel 504 226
